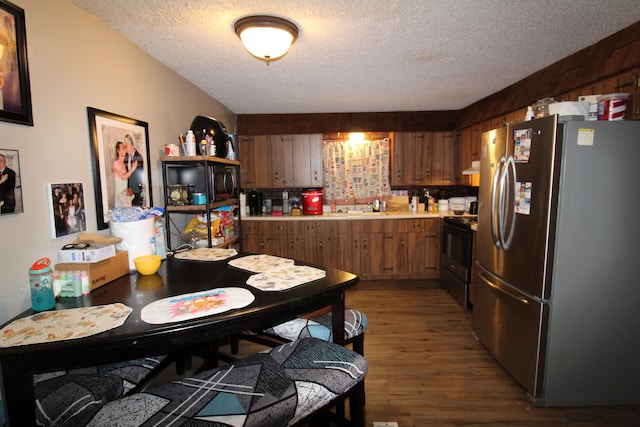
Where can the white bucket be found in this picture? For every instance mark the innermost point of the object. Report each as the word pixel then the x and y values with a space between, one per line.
pixel 138 238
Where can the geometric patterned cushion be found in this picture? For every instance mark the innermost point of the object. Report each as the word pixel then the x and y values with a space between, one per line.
pixel 75 395
pixel 278 387
pixel 355 323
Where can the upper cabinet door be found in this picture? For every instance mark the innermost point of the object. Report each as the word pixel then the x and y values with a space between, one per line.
pixel 282 163
pixel 255 155
pixel 307 160
pixel 442 158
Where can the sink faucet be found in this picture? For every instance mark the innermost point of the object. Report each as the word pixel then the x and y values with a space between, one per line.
pixel 350 197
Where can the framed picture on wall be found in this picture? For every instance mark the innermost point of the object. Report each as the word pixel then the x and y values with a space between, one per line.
pixel 10 186
pixel 120 151
pixel 15 89
pixel 66 208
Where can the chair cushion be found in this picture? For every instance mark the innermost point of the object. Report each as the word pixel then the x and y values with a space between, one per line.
pixel 278 387
pixel 72 397
pixel 355 323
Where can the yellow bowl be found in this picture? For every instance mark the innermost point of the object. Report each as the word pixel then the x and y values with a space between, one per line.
pixel 147 264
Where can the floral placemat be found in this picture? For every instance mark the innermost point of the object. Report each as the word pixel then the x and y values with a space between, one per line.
pixel 286 277
pixel 206 254
pixel 58 325
pixel 260 263
pixel 194 305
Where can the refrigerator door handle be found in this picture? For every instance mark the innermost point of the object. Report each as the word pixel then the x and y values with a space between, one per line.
pixel 501 290
pixel 509 167
pixel 494 197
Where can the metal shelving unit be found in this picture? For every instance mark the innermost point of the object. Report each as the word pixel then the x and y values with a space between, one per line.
pixel 201 172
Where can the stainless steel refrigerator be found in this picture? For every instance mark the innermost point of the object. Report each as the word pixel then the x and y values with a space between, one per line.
pixel 557 286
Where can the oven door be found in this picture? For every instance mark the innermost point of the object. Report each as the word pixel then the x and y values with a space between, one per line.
pixel 455 262
pixel 457 243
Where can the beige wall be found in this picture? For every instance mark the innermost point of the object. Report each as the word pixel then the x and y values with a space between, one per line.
pixel 75 61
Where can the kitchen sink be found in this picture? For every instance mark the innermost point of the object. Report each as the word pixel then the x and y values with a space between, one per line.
pixel 354 213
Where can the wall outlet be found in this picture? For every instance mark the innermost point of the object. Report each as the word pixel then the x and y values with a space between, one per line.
pixel 385 424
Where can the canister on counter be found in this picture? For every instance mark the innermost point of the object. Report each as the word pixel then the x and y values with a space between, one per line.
pixel 199 199
pixel 172 150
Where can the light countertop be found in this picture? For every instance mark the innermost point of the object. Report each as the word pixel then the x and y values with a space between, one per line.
pixel 353 216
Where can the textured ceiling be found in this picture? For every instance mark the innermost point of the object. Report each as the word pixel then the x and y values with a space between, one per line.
pixel 365 55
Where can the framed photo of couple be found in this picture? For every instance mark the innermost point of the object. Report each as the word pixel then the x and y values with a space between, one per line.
pixel 120 154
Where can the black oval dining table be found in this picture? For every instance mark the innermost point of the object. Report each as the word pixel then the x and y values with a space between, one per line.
pixel 136 338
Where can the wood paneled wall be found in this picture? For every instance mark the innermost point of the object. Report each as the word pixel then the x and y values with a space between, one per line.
pixel 610 56
pixel 615 54
pixel 407 121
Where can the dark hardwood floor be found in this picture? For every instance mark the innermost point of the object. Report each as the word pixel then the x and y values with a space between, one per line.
pixel 426 369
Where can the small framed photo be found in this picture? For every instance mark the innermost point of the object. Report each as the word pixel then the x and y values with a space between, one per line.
pixel 10 186
pixel 120 151
pixel 66 208
pixel 15 89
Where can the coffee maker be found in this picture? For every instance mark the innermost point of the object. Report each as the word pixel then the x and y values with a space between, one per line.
pixel 255 202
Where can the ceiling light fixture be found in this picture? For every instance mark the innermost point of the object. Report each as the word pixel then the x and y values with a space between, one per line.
pixel 266 37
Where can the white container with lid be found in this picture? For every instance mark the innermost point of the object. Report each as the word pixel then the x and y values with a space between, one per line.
pixel 457 203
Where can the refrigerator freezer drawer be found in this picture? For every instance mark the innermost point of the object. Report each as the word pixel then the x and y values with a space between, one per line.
pixel 512 327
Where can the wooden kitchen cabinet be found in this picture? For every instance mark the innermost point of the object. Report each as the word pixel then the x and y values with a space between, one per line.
pixel 255 154
pixel 423 158
pixel 370 248
pixel 250 237
pixel 307 161
pixel 442 158
pixel 265 237
pixel 360 253
pixel 334 245
pixel 412 158
pixel 281 148
pixel 302 241
pixel 281 161
pixel 467 150
pixel 383 254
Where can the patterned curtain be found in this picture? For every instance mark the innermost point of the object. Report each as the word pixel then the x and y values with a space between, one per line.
pixel 355 172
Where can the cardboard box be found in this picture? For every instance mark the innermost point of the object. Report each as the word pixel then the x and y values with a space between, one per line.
pixel 90 254
pixel 102 272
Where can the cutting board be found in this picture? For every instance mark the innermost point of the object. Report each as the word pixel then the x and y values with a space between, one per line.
pixel 398 203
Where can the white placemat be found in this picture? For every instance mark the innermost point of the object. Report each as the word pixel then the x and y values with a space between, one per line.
pixel 194 305
pixel 58 325
pixel 260 263
pixel 285 277
pixel 206 254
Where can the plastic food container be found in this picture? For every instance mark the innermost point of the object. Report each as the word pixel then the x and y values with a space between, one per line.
pixel 612 106
pixel 458 204
pixel 570 108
